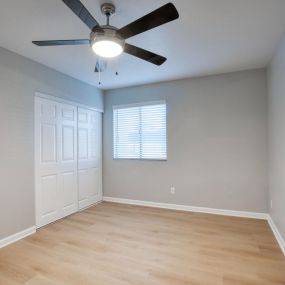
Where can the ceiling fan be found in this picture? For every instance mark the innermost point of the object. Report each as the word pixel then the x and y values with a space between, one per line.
pixel 108 41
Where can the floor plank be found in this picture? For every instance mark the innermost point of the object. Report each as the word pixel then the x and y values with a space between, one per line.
pixel 124 245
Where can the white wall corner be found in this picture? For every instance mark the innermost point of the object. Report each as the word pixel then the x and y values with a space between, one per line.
pixel 277 234
pixel 17 236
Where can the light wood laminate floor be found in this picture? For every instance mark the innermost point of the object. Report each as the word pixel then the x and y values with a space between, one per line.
pixel 112 244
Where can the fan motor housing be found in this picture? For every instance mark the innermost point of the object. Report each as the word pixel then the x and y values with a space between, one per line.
pixel 109 34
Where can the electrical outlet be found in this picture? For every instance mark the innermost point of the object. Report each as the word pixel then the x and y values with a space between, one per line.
pixel 271 204
pixel 172 190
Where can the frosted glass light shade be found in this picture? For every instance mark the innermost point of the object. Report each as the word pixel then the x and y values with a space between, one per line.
pixel 107 48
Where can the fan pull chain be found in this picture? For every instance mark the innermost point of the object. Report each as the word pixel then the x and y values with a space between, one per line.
pixel 115 65
pixel 99 61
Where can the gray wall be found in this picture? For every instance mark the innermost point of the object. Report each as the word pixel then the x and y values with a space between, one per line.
pixel 217 137
pixel 19 79
pixel 276 78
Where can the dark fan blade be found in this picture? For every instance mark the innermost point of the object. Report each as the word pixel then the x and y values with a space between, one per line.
pixel 61 43
pixel 100 65
pixel 144 54
pixel 162 15
pixel 78 9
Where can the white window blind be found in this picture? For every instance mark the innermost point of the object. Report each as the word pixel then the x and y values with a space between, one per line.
pixel 140 131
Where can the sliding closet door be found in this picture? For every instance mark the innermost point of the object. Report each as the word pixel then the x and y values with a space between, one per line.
pixel 89 157
pixel 47 157
pixel 68 159
pixel 55 160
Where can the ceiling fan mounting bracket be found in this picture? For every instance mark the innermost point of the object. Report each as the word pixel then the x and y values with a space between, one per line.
pixel 108 9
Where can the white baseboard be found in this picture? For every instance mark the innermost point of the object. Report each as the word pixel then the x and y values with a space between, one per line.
pixel 89 206
pixel 277 234
pixel 243 214
pixel 17 236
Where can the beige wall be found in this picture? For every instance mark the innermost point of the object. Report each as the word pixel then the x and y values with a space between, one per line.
pixel 217 138
pixel 19 79
pixel 276 77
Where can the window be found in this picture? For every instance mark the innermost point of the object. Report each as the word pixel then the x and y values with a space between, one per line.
pixel 139 131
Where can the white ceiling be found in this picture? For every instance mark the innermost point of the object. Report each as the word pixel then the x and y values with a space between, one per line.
pixel 211 36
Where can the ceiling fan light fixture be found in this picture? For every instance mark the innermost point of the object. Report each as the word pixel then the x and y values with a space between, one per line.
pixel 107 48
pixel 108 41
pixel 108 44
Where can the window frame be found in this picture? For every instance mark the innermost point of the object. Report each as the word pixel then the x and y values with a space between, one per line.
pixel 141 104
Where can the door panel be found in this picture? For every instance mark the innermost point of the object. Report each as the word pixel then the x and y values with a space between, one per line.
pixel 89 157
pixel 48 143
pixel 56 160
pixel 94 179
pixel 46 156
pixel 68 159
pixel 69 189
pixel 68 148
pixel 49 188
pixel 82 143
pixel 83 187
pixel 48 110
pixel 68 113
pixel 82 116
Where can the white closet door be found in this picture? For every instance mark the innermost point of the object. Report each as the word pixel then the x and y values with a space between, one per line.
pixel 68 159
pixel 55 160
pixel 89 157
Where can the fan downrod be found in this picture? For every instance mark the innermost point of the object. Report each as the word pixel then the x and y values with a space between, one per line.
pixel 108 9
